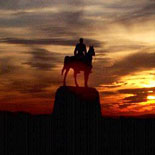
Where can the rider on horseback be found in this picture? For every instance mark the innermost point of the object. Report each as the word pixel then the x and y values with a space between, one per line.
pixel 80 50
pixel 72 62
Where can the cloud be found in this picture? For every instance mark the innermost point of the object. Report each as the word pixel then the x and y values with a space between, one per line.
pixel 67 23
pixel 22 4
pixel 136 90
pixel 52 41
pixel 135 62
pixel 109 93
pixel 125 105
pixel 79 15
pixel 29 83
pixel 37 85
pixel 136 99
pixel 61 24
pixel 113 71
pixel 43 59
pixel 25 4
pixel 139 11
pixel 122 48
pixel 133 100
pixel 7 65
pixel 16 77
pixel 138 95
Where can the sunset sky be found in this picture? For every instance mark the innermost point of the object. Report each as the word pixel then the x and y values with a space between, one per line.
pixel 35 35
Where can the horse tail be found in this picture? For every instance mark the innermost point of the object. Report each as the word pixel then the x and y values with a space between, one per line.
pixel 65 64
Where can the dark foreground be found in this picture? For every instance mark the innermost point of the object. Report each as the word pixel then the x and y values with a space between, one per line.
pixel 75 127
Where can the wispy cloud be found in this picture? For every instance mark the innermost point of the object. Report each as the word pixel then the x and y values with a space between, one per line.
pixel 51 41
pixel 135 62
pixel 44 60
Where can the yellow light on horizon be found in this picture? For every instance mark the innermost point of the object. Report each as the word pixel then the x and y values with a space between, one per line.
pixel 149 84
pixel 151 97
pixel 150 91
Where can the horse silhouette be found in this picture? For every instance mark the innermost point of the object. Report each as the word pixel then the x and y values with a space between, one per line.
pixel 84 64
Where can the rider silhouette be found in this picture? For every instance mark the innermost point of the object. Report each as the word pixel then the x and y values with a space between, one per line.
pixel 80 50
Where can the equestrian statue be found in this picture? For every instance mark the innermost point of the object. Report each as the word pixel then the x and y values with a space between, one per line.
pixel 81 61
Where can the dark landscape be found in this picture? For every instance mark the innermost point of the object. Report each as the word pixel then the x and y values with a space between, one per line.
pixel 65 132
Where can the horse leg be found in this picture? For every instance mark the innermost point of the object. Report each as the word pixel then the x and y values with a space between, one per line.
pixel 62 70
pixel 67 70
pixel 86 76
pixel 75 75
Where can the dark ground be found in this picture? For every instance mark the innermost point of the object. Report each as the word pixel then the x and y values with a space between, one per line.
pixel 75 127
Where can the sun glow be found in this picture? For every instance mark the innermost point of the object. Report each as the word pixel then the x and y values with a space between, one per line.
pixel 149 84
pixel 151 97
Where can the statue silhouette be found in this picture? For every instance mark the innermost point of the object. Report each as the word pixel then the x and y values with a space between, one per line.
pixel 80 49
pixel 79 63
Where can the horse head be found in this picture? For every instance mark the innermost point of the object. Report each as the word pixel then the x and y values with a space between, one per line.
pixel 91 51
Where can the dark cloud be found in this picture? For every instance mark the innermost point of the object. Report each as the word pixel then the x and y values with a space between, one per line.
pixel 112 86
pixel 69 20
pixel 7 65
pixel 17 78
pixel 133 91
pixel 26 86
pixel 133 100
pixel 54 25
pixel 43 59
pixel 112 71
pixel 59 31
pixel 125 105
pixel 36 85
pixel 29 4
pixel 22 4
pixel 71 24
pixel 142 12
pixel 100 76
pixel 135 62
pixel 52 41
pixel 138 95
pixel 136 90
pixel 136 98
pixel 108 93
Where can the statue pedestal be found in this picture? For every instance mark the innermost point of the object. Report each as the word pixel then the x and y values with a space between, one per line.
pixel 77 116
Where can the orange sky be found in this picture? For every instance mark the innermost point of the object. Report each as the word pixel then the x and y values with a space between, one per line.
pixel 35 37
